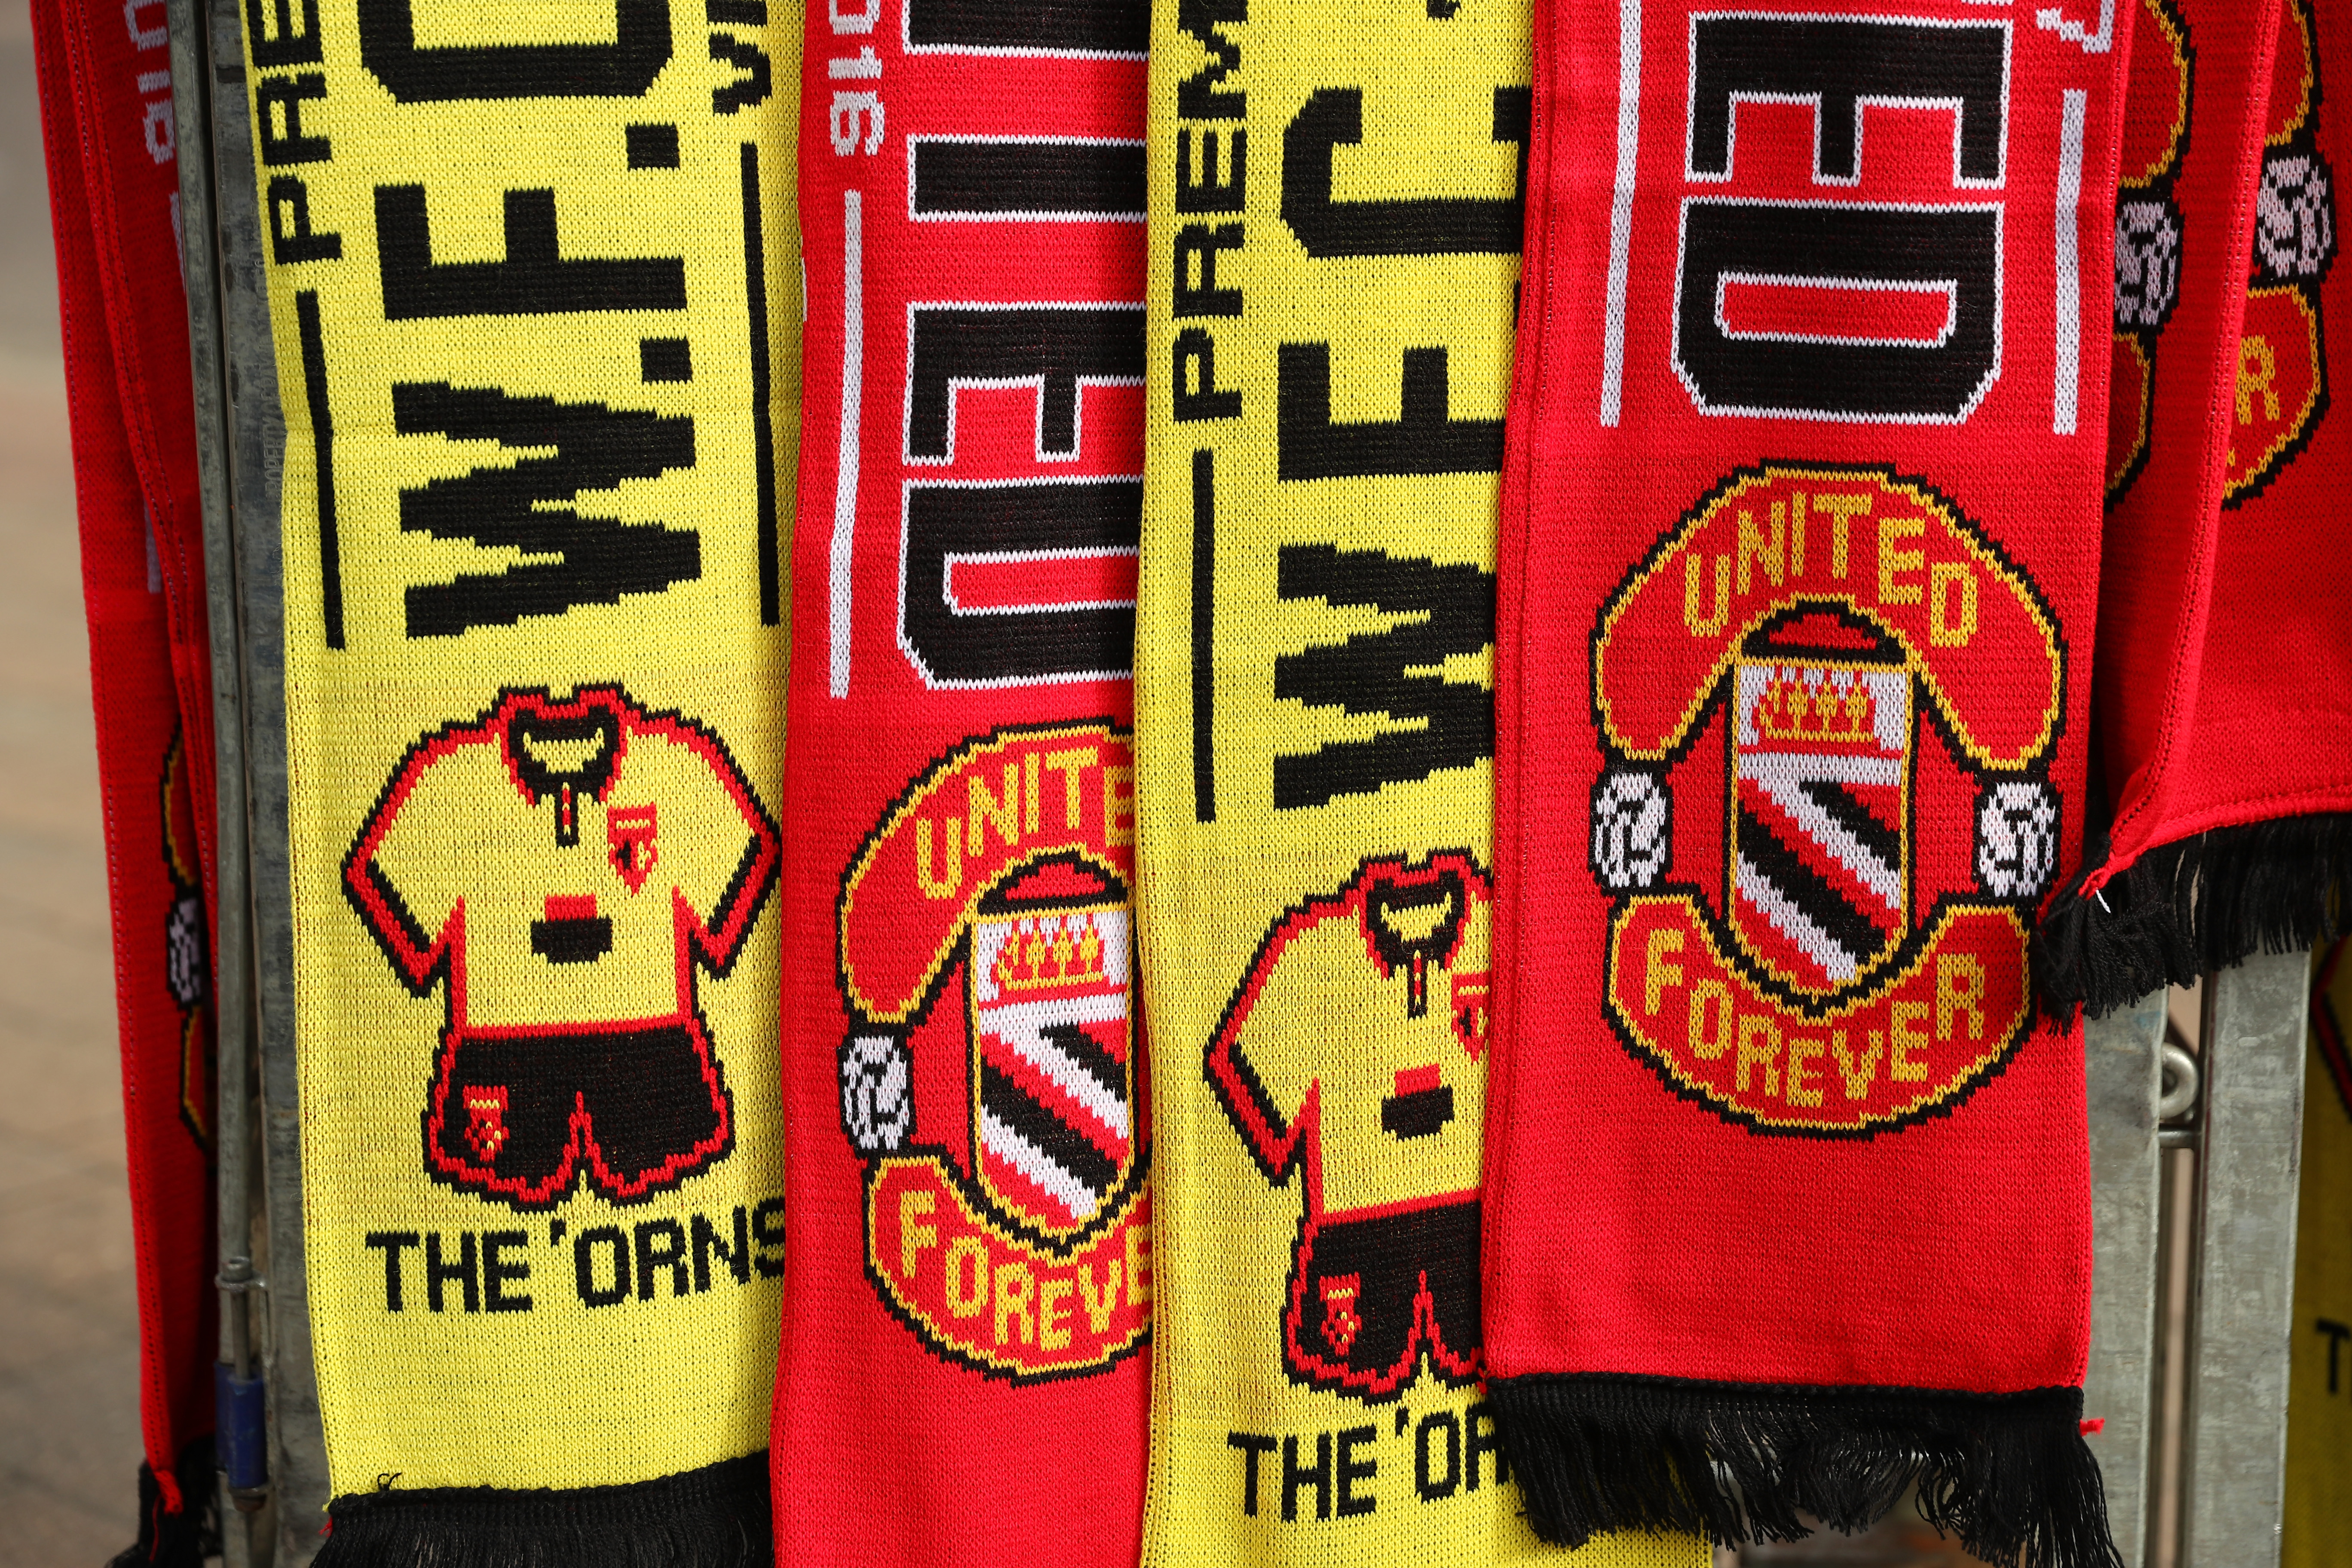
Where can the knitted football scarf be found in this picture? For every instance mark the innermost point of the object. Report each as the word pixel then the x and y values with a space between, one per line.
pixel 1799 541
pixel 962 1377
pixel 2224 657
pixel 106 108
pixel 1336 219
pixel 2319 1376
pixel 532 291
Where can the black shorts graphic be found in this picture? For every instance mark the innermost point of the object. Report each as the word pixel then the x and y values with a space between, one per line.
pixel 1366 1296
pixel 514 1114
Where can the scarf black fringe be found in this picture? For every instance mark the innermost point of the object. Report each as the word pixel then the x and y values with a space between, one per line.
pixel 2189 908
pixel 181 1540
pixel 2009 1475
pixel 716 1517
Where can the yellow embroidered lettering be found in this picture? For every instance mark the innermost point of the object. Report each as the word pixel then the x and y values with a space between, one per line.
pixel 1891 562
pixel 1119 805
pixel 912 1237
pixel 1708 998
pixel 1769 551
pixel 1693 571
pixel 1662 970
pixel 1054 1314
pixel 1906 1033
pixel 1101 1303
pixel 1959 992
pixel 967 1276
pixel 982 808
pixel 1760 1045
pixel 1016 1289
pixel 943 886
pixel 1951 584
pixel 1071 763
pixel 1857 1075
pixel 1139 1265
pixel 1804 1050
pixel 2257 378
pixel 1844 508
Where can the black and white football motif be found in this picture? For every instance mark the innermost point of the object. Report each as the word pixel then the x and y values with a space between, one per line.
pixel 184 952
pixel 877 1093
pixel 1632 829
pixel 2017 838
pixel 2147 263
pixel 2294 218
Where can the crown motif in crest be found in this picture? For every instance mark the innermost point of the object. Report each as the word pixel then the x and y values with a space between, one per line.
pixel 1051 951
pixel 1814 708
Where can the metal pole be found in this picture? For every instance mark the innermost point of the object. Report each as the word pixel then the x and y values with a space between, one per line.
pixel 2122 1068
pixel 2233 1457
pixel 257 427
pixel 237 1445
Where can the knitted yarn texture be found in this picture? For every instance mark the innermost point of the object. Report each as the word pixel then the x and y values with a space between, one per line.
pixel 963 1367
pixel 1335 232
pixel 107 120
pixel 2225 668
pixel 1798 562
pixel 533 286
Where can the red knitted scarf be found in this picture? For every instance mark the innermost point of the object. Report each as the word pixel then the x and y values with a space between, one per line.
pixel 1787 1205
pixel 2224 685
pixel 970 1229
pixel 106 112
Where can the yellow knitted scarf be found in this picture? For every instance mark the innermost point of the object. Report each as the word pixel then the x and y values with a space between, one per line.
pixel 533 290
pixel 1335 229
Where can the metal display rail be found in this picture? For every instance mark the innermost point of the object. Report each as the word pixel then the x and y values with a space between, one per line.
pixel 2236 1104
pixel 274 1498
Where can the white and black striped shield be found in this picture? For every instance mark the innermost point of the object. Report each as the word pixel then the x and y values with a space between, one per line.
pixel 1821 777
pixel 1052 1068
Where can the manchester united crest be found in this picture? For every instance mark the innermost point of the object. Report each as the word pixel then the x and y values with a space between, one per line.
pixel 187 961
pixel 2280 393
pixel 1015 1239
pixel 1827 704
pixel 2282 385
pixel 2149 228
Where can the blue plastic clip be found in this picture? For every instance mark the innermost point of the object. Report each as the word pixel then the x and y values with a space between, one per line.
pixel 238 1440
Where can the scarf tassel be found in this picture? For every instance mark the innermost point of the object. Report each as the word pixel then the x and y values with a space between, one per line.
pixel 2007 1475
pixel 185 1539
pixel 717 1517
pixel 2189 908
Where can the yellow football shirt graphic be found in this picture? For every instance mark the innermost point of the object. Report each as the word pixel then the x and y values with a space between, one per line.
pixel 564 868
pixel 530 275
pixel 1353 1055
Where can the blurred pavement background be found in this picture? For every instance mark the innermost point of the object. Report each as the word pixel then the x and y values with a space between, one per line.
pixel 68 1325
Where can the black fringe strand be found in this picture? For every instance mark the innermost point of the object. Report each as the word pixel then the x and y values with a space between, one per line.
pixel 181 1540
pixel 716 1517
pixel 2009 1475
pixel 2187 908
